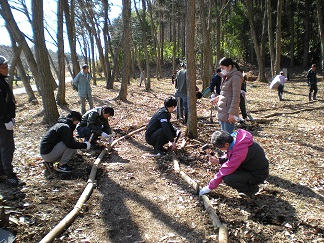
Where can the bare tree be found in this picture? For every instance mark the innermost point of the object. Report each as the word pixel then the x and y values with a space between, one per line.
pixel 278 36
pixel 127 59
pixel 191 70
pixel 41 53
pixel 321 27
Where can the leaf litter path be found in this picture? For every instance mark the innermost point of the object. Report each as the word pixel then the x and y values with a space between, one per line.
pixel 140 199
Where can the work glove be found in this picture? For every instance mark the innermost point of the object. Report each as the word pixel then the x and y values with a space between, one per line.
pixel 88 145
pixel 204 190
pixel 10 125
pixel 104 135
pixel 110 139
pixel 243 93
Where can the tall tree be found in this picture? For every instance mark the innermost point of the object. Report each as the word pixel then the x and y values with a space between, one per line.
pixel 191 69
pixel 271 37
pixel 50 109
pixel 321 27
pixel 126 12
pixel 278 36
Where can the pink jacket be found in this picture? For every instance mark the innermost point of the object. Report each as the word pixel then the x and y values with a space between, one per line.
pixel 235 156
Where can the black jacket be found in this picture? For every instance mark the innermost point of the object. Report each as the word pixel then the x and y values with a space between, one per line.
pixel 61 131
pixel 7 102
pixel 161 119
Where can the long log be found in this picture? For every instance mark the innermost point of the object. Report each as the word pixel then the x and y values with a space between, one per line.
pixel 69 218
pixel 222 229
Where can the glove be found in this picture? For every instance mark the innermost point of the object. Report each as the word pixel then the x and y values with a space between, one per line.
pixel 104 135
pixel 243 93
pixel 110 139
pixel 9 125
pixel 88 145
pixel 204 190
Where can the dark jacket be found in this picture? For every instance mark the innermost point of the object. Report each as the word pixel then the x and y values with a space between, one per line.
pixel 61 131
pixel 7 102
pixel 161 119
pixel 311 77
pixel 216 81
pixel 95 122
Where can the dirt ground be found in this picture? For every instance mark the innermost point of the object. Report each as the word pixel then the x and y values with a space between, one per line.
pixel 139 197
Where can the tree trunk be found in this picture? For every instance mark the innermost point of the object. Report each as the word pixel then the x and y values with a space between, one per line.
pixel 278 37
pixel 60 96
pixel 191 70
pixel 126 67
pixel 306 34
pixel 50 109
pixel 271 38
pixel 321 27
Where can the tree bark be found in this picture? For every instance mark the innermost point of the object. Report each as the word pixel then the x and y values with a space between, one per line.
pixel 278 37
pixel 321 27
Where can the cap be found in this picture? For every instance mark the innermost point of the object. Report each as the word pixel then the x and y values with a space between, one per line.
pixel 85 66
pixel 3 60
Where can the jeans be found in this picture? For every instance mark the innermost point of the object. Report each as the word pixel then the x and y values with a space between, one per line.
pixel 182 108
pixel 227 126
pixel 59 153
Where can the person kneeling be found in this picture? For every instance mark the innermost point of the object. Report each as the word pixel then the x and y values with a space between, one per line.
pixel 160 131
pixel 58 144
pixel 243 167
pixel 95 122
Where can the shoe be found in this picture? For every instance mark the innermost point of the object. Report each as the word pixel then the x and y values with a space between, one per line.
pixel 63 168
pixel 249 194
pixel 14 181
pixel 160 151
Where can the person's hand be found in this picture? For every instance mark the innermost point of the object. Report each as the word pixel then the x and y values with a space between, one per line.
pixel 9 125
pixel 214 100
pixel 231 118
pixel 243 93
pixel 173 146
pixel 204 190
pixel 213 160
pixel 88 145
pixel 104 135
pixel 110 139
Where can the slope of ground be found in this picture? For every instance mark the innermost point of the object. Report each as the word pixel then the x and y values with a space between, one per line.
pixel 139 198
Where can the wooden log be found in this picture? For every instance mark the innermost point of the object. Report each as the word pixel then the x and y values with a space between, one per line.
pixel 222 229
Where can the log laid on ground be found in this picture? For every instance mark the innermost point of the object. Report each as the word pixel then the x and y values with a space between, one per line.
pixel 222 229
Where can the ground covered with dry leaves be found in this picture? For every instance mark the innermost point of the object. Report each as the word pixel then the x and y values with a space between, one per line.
pixel 139 197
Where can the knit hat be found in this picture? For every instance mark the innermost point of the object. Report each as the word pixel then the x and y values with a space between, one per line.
pixel 3 60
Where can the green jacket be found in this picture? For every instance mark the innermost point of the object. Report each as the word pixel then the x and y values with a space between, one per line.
pixel 95 121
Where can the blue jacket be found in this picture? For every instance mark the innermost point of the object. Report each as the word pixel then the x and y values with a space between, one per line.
pixel 82 81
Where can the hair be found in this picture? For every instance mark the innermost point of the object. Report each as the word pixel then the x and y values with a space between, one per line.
pixel 199 95
pixel 313 65
pixel 76 116
pixel 219 138
pixel 109 110
pixel 227 62
pixel 183 65
pixel 218 70
pixel 281 72
pixel 84 66
pixel 170 101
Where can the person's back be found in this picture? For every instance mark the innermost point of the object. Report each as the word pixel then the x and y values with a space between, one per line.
pixel 181 85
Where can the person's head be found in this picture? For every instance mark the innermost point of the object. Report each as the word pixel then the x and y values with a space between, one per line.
pixel 183 65
pixel 199 95
pixel 85 68
pixel 281 73
pixel 75 117
pixel 227 65
pixel 170 103
pixel 313 66
pixel 218 70
pixel 4 68
pixel 221 140
pixel 107 112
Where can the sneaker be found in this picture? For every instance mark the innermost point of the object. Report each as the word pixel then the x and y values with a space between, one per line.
pixel 14 181
pixel 63 168
pixel 160 152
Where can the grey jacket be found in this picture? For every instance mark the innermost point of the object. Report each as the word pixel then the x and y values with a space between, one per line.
pixel 82 81
pixel 229 98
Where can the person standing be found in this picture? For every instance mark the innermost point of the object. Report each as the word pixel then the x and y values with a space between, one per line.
pixel 282 80
pixel 160 131
pixel 142 77
pixel 58 144
pixel 216 82
pixel 7 122
pixel 82 82
pixel 228 102
pixel 181 92
pixel 312 82
pixel 242 98
pixel 243 167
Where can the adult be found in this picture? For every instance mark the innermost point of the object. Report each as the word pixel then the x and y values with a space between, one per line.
pixel 282 81
pixel 243 167
pixel 312 82
pixel 216 82
pixel 142 77
pixel 95 122
pixel 7 122
pixel 82 82
pixel 160 131
pixel 242 98
pixel 181 93
pixel 59 145
pixel 228 102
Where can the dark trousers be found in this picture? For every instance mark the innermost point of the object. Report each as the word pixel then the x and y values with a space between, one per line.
pixel 312 87
pixel 280 91
pixel 157 139
pixel 242 106
pixel 7 148
pixel 243 181
pixel 85 132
